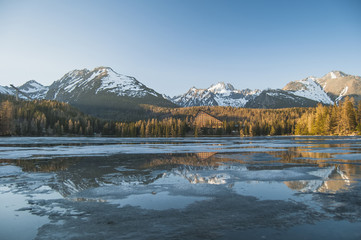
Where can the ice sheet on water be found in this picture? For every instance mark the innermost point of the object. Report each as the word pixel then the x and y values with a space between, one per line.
pixel 105 140
pixel 249 158
pixel 11 216
pixel 193 182
pixel 225 190
pixel 264 190
pixel 354 156
pixel 157 201
pixel 65 147
pixel 8 170
pixel 331 150
pixel 45 192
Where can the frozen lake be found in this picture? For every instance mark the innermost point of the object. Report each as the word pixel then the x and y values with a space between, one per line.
pixel 180 188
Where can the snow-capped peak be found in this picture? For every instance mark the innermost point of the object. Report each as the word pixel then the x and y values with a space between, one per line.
pixel 192 92
pixel 309 88
pixel 100 80
pixel 6 90
pixel 221 87
pixel 193 88
pixel 335 74
pixel 32 86
pixel 220 94
pixel 311 78
pixel 34 89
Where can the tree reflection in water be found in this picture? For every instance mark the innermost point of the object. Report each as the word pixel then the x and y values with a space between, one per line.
pixel 260 185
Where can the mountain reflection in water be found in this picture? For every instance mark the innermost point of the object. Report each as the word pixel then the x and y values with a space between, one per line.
pixel 214 188
pixel 79 173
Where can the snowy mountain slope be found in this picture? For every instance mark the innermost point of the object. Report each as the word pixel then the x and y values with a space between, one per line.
pixel 330 88
pixel 222 88
pixel 104 93
pixel 6 90
pixel 32 88
pixel 338 85
pixel 277 98
pixel 309 88
pixel 220 94
pixel 195 97
pixel 102 89
pixel 101 80
pixel 335 74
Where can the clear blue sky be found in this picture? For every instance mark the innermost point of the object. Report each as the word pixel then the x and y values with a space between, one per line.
pixel 172 45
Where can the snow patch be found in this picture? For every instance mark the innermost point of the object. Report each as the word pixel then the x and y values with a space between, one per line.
pixel 342 94
pixel 159 201
pixel 4 90
pixel 110 82
pixel 121 85
pixel 220 94
pixel 312 90
pixel 8 170
pixel 34 90
pixel 221 88
pixel 278 94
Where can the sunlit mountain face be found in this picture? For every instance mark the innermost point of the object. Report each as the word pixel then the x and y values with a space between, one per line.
pixel 102 87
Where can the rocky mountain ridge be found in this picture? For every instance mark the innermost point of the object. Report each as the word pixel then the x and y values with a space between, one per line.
pixel 103 88
pixel 220 94
pixel 31 88
pixel 308 92
pixel 101 80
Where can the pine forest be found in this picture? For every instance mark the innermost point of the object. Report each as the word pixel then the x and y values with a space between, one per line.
pixel 52 118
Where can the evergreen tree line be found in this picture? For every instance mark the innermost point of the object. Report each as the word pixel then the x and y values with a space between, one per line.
pixel 342 119
pixel 44 118
pixel 241 121
pixel 51 118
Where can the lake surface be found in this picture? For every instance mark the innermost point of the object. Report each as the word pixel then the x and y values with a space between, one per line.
pixel 180 188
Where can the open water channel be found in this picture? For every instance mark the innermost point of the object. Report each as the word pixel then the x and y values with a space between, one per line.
pixel 180 188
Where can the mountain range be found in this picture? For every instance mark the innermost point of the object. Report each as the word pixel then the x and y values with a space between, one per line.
pixel 103 92
pixel 220 94
pixel 100 92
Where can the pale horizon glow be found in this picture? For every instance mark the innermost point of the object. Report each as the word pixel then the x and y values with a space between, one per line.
pixel 171 46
